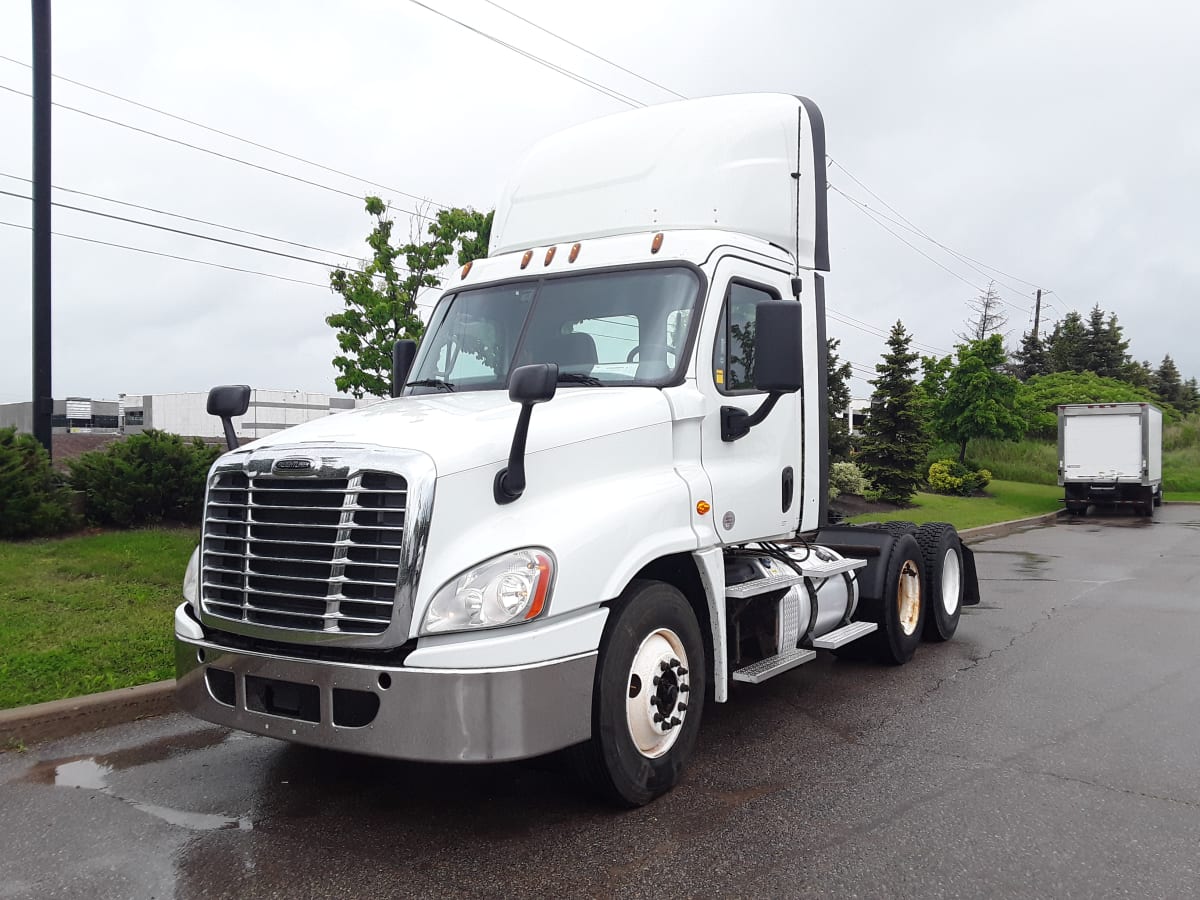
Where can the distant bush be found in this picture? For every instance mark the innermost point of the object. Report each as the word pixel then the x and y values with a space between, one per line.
pixel 146 478
pixel 1041 396
pixel 949 476
pixel 847 478
pixel 33 498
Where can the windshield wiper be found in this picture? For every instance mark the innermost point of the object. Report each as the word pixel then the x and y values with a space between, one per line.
pixel 433 383
pixel 580 378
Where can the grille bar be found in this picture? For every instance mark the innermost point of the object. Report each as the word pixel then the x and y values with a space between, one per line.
pixel 310 554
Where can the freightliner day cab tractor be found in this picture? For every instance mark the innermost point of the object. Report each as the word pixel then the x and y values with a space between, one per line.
pixel 454 575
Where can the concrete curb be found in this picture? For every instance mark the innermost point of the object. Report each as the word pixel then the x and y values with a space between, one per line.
pixel 62 718
pixel 1000 529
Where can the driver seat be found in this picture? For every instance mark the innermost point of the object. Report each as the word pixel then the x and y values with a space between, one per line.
pixel 575 352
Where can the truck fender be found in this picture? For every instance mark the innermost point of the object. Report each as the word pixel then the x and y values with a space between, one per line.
pixel 970 576
pixel 711 565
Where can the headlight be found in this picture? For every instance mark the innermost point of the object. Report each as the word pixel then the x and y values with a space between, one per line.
pixel 510 588
pixel 191 581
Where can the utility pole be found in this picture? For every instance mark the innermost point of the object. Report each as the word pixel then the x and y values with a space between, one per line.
pixel 43 402
pixel 1037 314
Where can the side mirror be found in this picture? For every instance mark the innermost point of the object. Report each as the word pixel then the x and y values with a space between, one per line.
pixel 778 332
pixel 403 354
pixel 778 363
pixel 227 401
pixel 527 385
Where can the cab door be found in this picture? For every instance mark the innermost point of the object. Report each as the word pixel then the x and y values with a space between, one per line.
pixel 756 479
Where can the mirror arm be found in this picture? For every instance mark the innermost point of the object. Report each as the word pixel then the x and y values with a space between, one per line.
pixel 736 422
pixel 510 481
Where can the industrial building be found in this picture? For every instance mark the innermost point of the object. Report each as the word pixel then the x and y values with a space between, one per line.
pixel 180 413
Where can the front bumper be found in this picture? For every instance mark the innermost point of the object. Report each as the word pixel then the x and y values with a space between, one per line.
pixel 436 715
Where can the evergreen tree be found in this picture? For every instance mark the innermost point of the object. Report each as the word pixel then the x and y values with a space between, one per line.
pixel 894 444
pixel 1190 401
pixel 1167 383
pixel 1138 374
pixel 1031 359
pixel 1106 345
pixel 980 401
pixel 1068 345
pixel 837 386
pixel 988 317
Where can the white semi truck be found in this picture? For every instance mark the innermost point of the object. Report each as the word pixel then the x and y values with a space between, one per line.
pixel 453 576
pixel 1110 454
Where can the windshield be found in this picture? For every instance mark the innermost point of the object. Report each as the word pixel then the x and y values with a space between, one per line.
pixel 619 328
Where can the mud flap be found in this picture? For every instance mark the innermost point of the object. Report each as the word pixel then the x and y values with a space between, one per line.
pixel 970 577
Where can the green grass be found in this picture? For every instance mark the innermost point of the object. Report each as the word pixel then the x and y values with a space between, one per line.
pixel 1182 496
pixel 88 613
pixel 1006 500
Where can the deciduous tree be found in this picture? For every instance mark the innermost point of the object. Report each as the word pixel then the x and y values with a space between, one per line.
pixel 980 400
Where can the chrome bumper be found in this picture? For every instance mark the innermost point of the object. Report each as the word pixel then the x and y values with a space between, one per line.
pixel 435 715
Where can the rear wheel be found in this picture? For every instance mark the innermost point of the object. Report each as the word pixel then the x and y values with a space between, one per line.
pixel 1158 497
pixel 647 697
pixel 902 616
pixel 941 551
pixel 896 528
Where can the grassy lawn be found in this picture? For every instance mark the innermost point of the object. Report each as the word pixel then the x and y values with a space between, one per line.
pixel 88 613
pixel 1006 500
pixel 1181 496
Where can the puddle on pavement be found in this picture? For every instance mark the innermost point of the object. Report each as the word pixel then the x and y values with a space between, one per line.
pixel 1029 566
pixel 94 772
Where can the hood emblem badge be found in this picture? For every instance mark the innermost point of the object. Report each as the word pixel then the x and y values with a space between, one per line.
pixel 293 465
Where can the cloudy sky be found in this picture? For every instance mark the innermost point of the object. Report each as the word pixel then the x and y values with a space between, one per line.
pixel 1054 141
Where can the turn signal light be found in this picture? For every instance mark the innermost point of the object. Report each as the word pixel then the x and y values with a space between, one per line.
pixel 702 507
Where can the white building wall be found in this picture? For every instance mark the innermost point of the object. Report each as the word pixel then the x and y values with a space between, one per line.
pixel 270 411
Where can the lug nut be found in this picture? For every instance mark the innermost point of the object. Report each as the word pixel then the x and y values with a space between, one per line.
pixel 682 707
pixel 682 670
pixel 665 667
pixel 675 720
pixel 658 717
pixel 683 689
pixel 656 680
pixel 674 662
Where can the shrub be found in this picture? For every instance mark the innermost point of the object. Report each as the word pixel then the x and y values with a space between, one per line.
pixel 846 478
pixel 33 499
pixel 949 476
pixel 146 478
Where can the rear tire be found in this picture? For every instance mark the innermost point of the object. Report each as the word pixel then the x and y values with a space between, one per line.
pixel 650 672
pixel 902 616
pixel 941 550
pixel 1158 497
pixel 896 528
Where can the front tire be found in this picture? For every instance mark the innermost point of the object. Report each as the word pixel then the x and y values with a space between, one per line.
pixel 941 550
pixel 647 698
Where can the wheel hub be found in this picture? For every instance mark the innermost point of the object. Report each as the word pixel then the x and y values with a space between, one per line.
pixel 908 597
pixel 659 684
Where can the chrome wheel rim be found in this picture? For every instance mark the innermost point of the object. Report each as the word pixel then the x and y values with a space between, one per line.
pixel 656 697
pixel 908 597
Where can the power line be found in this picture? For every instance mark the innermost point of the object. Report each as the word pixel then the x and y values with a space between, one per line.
pixel 574 76
pixel 875 330
pixel 604 59
pixel 228 134
pixel 217 153
pixel 202 262
pixel 920 233
pixel 925 234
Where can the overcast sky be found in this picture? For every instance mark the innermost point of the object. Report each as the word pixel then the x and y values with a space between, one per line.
pixel 1056 141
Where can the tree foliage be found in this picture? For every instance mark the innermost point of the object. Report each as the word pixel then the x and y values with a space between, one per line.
pixel 381 298
pixel 980 401
pixel 146 478
pixel 1031 358
pixel 1067 346
pixel 33 499
pixel 1041 396
pixel 894 443
pixel 837 383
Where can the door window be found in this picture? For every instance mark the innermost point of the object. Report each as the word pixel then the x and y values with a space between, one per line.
pixel 733 353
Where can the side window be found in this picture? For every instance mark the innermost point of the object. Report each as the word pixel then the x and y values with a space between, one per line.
pixel 733 354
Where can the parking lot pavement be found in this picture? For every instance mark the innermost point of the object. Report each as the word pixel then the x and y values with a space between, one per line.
pixel 1051 749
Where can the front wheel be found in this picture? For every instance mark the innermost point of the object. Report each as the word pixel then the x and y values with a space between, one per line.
pixel 647 697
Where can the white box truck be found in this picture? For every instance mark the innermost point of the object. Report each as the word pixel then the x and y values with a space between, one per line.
pixel 1110 454
pixel 452 575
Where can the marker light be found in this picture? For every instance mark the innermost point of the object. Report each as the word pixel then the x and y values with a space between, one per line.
pixel 526 258
pixel 465 270
pixel 656 244
pixel 550 255
pixel 574 253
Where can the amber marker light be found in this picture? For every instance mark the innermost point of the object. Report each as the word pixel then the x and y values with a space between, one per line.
pixel 549 256
pixel 543 588
pixel 465 271
pixel 656 244
pixel 526 258
pixel 702 507
pixel 574 255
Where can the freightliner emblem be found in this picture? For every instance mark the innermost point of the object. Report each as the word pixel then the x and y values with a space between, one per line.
pixel 293 466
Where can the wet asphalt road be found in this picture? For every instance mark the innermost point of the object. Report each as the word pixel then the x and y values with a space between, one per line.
pixel 1051 749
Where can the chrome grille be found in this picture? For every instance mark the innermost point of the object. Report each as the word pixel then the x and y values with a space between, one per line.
pixel 308 553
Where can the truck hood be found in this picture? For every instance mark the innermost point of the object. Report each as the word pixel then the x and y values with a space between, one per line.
pixel 468 430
